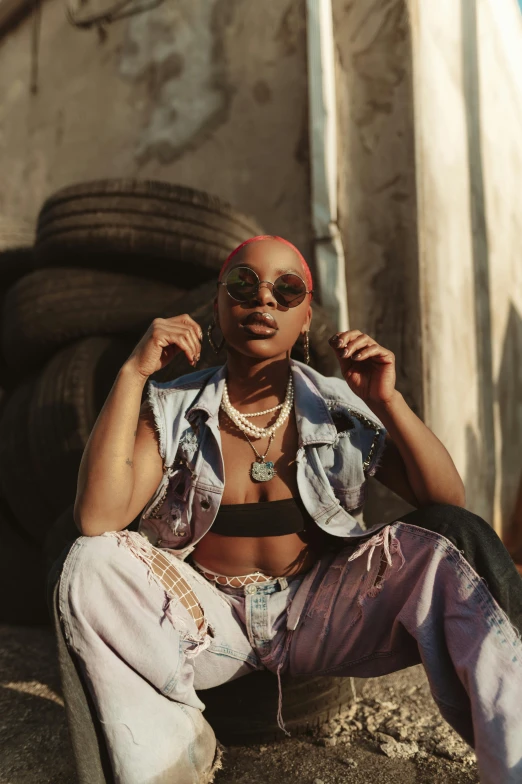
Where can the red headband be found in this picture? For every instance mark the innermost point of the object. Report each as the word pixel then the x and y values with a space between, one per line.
pixel 306 268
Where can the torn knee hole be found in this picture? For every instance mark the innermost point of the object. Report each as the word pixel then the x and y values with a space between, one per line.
pixel 382 568
pixel 380 576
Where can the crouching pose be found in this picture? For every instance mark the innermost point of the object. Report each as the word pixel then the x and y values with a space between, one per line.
pixel 250 479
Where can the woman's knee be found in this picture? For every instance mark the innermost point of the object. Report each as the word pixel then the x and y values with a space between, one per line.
pixel 104 562
pixel 92 563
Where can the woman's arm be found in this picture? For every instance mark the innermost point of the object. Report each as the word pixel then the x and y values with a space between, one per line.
pixel 121 466
pixel 415 464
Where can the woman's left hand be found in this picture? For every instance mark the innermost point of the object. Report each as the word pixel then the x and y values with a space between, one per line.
pixel 368 369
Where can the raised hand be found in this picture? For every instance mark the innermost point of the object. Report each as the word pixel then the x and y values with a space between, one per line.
pixel 163 340
pixel 367 367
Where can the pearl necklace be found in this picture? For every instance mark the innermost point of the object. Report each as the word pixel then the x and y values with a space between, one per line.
pixel 241 421
pixel 268 411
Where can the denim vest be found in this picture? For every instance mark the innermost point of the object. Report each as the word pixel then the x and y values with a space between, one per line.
pixel 340 443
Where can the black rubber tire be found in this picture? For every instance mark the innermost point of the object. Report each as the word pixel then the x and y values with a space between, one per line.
pixel 14 264
pixel 16 250
pixel 166 231
pixel 322 358
pixel 16 260
pixel 60 534
pixel 66 401
pixel 51 308
pixel 244 711
pixel 19 483
pixel 22 578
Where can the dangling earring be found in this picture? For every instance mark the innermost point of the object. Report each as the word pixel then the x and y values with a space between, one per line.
pixel 306 341
pixel 215 347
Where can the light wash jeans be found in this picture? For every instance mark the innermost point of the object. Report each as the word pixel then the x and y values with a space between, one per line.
pixel 405 596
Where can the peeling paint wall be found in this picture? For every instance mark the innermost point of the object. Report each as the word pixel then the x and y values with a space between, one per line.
pixel 178 53
pixel 206 93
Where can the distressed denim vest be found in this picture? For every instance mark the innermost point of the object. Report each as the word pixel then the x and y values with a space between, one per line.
pixel 340 442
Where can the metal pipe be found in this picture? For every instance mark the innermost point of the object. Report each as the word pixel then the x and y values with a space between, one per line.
pixel 328 246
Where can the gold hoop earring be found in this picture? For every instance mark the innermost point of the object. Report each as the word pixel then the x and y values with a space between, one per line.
pixel 306 341
pixel 214 346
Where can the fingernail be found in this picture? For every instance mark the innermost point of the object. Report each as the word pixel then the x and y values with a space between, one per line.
pixel 345 353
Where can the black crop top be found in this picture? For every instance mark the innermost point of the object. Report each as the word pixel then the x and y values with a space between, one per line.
pixel 265 518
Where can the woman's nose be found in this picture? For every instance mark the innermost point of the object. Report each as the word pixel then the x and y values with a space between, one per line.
pixel 265 294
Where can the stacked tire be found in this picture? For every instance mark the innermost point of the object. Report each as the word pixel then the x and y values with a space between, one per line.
pixel 20 555
pixel 108 257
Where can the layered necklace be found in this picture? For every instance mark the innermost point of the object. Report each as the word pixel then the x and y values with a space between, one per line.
pixel 260 470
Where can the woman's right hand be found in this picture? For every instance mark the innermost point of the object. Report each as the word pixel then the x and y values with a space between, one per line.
pixel 163 340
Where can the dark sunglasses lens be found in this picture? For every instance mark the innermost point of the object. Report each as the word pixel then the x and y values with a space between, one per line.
pixel 242 283
pixel 289 290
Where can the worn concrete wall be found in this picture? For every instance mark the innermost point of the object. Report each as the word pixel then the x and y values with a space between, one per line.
pixel 467 59
pixel 377 192
pixel 213 94
pixel 446 247
pixel 499 31
pixel 377 201
pixel 207 93
pixel 430 99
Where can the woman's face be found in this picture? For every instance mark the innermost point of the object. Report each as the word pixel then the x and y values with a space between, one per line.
pixel 244 328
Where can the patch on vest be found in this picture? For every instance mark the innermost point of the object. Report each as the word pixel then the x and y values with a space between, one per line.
pixel 188 445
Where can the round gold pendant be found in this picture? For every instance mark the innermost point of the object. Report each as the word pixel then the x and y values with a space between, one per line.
pixel 262 472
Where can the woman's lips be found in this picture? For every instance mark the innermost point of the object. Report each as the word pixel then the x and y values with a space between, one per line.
pixel 260 324
pixel 260 330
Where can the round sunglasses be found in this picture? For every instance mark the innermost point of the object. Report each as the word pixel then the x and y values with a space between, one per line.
pixel 242 284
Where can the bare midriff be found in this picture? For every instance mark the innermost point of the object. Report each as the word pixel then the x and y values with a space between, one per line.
pixel 274 556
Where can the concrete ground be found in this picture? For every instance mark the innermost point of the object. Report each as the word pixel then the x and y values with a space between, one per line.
pixel 391 733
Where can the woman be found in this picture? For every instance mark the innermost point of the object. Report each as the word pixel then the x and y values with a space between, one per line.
pixel 249 553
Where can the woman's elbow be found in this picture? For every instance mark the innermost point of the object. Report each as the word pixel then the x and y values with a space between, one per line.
pixel 94 524
pixel 459 493
pixel 454 496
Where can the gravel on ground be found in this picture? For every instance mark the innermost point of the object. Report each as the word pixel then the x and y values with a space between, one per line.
pixel 391 733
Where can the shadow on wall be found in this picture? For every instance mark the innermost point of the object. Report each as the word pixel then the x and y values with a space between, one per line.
pixel 509 399
pixel 481 452
pixel 472 478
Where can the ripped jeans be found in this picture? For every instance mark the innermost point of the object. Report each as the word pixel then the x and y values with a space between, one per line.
pixel 400 597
